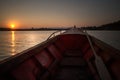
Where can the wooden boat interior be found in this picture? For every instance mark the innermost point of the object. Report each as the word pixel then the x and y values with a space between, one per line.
pixel 63 57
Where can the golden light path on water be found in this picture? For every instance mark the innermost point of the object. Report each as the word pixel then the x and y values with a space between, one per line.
pixel 13 42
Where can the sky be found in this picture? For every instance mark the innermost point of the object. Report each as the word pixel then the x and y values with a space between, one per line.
pixel 58 13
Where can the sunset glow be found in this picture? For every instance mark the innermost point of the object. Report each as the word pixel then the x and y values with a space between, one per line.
pixel 12 26
pixel 57 13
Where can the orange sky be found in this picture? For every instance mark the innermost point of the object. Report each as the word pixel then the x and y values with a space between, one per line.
pixel 58 13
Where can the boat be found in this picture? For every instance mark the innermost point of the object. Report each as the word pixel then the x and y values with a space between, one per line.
pixel 66 55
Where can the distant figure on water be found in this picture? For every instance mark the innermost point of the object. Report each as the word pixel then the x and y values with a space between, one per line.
pixel 74 26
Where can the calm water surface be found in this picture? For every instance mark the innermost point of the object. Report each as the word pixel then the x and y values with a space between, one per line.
pixel 13 42
pixel 110 37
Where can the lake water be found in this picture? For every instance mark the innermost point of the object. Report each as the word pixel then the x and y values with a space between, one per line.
pixel 13 42
pixel 110 37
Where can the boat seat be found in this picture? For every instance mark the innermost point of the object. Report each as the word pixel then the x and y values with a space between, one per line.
pixel 72 61
pixel 44 58
pixel 73 67
pixel 54 51
pixel 47 61
pixel 73 58
pixel 73 74
pixel 73 53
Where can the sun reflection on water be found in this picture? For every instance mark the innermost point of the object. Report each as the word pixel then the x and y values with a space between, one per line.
pixel 13 42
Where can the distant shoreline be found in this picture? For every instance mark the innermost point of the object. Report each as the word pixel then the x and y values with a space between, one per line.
pixel 114 26
pixel 50 29
pixel 57 29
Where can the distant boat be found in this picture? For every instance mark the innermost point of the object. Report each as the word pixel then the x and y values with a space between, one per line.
pixel 71 55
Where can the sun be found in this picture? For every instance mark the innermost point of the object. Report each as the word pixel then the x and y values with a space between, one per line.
pixel 12 26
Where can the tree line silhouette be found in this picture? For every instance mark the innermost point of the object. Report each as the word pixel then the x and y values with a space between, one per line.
pixel 110 26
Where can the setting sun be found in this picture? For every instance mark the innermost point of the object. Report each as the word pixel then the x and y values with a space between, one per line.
pixel 12 26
